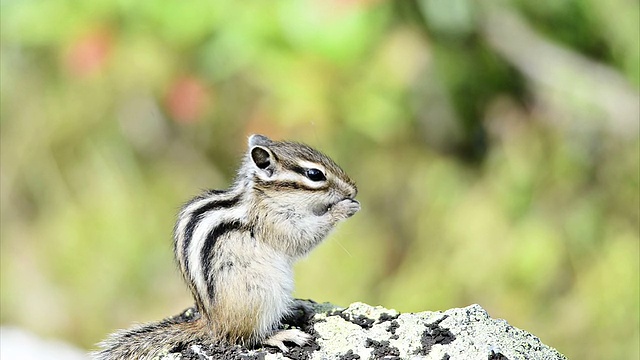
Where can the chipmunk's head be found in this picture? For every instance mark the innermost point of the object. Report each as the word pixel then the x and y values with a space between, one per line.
pixel 283 168
pixel 300 186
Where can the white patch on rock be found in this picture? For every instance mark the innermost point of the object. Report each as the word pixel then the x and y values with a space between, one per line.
pixel 456 334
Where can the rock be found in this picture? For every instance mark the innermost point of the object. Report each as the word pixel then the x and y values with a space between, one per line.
pixel 21 344
pixel 365 332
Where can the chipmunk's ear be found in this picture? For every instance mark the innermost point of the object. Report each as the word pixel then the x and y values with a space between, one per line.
pixel 259 140
pixel 263 159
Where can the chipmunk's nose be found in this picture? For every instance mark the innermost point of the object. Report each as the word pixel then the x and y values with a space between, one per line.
pixel 353 193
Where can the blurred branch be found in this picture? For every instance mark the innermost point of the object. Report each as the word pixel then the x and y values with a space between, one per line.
pixel 566 72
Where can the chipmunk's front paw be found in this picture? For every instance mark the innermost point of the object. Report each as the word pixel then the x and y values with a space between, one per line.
pixel 345 208
pixel 295 336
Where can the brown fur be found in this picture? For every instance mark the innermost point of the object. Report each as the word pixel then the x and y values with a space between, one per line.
pixel 154 339
pixel 240 266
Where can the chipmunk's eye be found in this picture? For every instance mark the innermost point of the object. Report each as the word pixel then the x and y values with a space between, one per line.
pixel 315 175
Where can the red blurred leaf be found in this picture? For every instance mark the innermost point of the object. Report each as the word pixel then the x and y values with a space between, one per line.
pixel 187 99
pixel 88 54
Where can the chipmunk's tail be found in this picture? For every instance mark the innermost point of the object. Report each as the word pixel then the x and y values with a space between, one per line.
pixel 152 340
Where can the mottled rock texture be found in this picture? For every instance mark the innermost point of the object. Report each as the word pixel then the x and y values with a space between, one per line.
pixel 365 332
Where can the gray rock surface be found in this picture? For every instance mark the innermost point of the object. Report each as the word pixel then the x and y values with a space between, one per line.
pixel 365 332
pixel 20 344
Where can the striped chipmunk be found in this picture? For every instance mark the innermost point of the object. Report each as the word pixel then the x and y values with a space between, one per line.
pixel 235 249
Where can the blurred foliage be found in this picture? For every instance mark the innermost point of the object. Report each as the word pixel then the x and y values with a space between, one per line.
pixel 495 146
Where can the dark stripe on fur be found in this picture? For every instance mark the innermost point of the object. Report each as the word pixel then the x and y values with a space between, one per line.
pixel 279 185
pixel 207 250
pixel 297 169
pixel 196 216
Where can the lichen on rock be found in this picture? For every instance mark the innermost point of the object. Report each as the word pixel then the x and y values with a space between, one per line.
pixel 365 332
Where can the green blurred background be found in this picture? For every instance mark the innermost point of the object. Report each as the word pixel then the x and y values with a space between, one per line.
pixel 495 145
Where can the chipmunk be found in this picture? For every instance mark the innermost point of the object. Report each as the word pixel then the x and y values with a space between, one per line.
pixel 235 249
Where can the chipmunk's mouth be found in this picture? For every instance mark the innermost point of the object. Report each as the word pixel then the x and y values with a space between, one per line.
pixel 322 209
